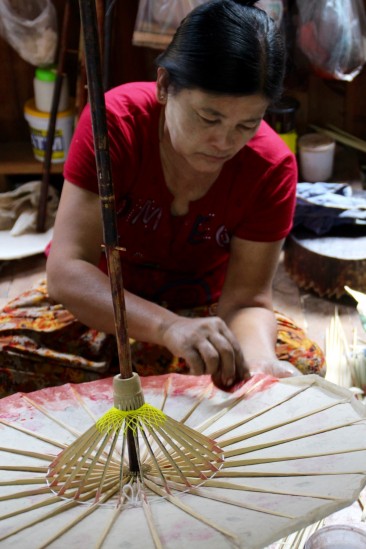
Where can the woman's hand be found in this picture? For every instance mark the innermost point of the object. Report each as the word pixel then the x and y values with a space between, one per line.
pixel 208 347
pixel 276 368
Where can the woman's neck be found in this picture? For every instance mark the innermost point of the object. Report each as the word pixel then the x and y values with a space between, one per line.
pixel 184 182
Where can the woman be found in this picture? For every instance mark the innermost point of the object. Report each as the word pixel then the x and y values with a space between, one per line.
pixel 205 194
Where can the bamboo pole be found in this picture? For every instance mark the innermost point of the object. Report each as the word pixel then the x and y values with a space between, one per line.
pixel 106 193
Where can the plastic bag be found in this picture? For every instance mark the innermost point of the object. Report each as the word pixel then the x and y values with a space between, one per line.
pixel 274 8
pixel 157 20
pixel 30 27
pixel 332 35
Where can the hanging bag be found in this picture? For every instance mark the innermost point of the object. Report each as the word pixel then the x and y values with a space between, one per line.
pixel 30 28
pixel 157 20
pixel 332 35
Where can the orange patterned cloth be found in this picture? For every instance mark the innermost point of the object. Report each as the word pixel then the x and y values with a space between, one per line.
pixel 43 345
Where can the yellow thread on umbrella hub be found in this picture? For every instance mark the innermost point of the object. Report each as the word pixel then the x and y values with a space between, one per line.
pixel 114 419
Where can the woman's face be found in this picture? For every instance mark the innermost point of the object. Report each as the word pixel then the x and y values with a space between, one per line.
pixel 207 130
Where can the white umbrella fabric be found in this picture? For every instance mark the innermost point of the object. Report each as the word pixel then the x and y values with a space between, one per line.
pixel 294 452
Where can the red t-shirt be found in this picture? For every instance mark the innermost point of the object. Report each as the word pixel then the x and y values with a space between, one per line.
pixel 180 261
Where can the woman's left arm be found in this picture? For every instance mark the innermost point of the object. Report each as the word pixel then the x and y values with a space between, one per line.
pixel 246 304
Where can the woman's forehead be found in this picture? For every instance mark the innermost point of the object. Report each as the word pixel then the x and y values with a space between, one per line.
pixel 225 105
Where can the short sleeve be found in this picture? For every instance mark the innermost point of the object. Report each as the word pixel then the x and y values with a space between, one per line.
pixel 272 207
pixel 80 165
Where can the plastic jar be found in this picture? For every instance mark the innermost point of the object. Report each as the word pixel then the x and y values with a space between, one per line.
pixel 316 155
pixel 282 118
pixel 38 122
pixel 44 85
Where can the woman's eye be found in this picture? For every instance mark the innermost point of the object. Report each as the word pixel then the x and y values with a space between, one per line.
pixel 208 120
pixel 248 128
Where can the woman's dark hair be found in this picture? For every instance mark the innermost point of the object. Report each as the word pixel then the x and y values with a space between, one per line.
pixel 229 47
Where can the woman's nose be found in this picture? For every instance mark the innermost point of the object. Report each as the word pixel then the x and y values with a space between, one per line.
pixel 226 140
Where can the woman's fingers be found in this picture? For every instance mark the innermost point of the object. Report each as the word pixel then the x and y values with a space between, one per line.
pixel 283 368
pixel 208 347
pixel 277 368
pixel 221 357
pixel 218 355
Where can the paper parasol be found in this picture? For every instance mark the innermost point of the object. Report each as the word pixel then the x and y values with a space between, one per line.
pixel 294 452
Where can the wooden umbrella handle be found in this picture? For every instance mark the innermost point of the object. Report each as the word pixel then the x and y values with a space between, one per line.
pixel 105 184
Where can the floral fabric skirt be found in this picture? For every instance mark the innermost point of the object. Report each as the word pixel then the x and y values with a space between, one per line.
pixel 43 345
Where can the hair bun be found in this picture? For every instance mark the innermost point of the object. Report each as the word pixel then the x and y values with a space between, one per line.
pixel 249 3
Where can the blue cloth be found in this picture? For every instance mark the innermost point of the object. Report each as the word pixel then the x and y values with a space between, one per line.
pixel 322 206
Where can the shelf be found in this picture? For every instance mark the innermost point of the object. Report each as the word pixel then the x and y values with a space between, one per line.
pixel 17 158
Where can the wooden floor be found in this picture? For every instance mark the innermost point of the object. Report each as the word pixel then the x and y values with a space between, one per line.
pixel 308 310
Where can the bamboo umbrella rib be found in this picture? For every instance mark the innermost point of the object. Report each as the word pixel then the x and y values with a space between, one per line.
pixel 283 423
pixel 154 460
pixel 82 403
pixel 72 455
pixel 109 460
pixel 178 503
pixel 151 524
pixel 33 434
pixel 208 422
pixel 218 483
pixel 26 453
pixel 254 447
pixel 217 434
pixel 195 445
pixel 149 518
pixel 23 481
pixel 173 463
pixel 25 493
pixel 89 490
pixel 200 398
pixel 82 462
pixel 87 511
pixel 43 503
pixel 51 417
pixel 166 388
pixel 67 505
pixel 361 504
pixel 201 492
pixel 280 474
pixel 108 528
pixel 260 461
pixel 42 470
pixel 236 503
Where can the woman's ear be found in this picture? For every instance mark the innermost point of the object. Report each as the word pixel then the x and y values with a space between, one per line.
pixel 162 82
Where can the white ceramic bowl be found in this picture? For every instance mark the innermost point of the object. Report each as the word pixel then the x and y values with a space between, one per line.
pixel 338 536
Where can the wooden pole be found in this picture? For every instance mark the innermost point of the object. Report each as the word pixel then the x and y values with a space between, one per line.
pixel 106 193
pixel 42 206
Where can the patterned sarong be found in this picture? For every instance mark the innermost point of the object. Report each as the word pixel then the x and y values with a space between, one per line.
pixel 42 345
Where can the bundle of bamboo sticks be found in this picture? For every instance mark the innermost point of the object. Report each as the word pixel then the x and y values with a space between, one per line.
pixel 346 364
pixel 341 136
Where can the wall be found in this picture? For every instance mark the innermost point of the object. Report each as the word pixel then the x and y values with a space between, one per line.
pixel 343 104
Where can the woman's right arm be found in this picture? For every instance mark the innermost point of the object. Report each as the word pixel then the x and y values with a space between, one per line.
pixel 75 280
pixel 73 276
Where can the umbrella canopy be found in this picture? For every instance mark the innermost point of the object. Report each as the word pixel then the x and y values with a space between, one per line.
pixel 293 452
